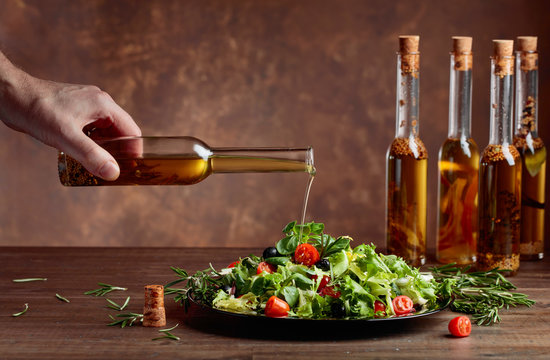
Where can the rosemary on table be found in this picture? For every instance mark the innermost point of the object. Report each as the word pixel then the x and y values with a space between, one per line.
pixel 62 298
pixel 199 284
pixel 29 280
pixel 127 319
pixel 480 293
pixel 167 335
pixel 113 305
pixel 22 312
pixel 104 289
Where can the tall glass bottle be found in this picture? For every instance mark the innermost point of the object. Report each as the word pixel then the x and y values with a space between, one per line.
pixel 456 239
pixel 407 164
pixel 531 149
pixel 500 172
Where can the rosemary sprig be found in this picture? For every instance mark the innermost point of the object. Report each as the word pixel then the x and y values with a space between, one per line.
pixel 480 293
pixel 199 284
pixel 127 319
pixel 22 312
pixel 104 289
pixel 167 335
pixel 29 280
pixel 62 298
pixel 113 305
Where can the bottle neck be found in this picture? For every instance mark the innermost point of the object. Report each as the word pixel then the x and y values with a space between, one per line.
pixel 407 100
pixel 243 160
pixel 460 96
pixel 527 81
pixel 502 85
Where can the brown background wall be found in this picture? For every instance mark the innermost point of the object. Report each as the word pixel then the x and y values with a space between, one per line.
pixel 244 73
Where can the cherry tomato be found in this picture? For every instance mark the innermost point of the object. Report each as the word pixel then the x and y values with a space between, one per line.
pixel 263 266
pixel 232 265
pixel 329 290
pixel 379 308
pixel 276 307
pixel 306 254
pixel 460 326
pixel 324 281
pixel 402 305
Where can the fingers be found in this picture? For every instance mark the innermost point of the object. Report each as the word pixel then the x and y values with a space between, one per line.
pixel 92 156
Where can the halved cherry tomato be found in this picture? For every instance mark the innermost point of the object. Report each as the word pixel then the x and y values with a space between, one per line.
pixel 263 266
pixel 324 281
pixel 276 307
pixel 460 326
pixel 329 290
pixel 232 265
pixel 402 305
pixel 306 254
pixel 379 308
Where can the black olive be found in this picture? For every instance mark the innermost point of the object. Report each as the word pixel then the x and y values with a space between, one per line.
pixel 270 252
pixel 226 288
pixel 338 309
pixel 323 264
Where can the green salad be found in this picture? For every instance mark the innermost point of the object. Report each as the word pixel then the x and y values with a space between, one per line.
pixel 312 275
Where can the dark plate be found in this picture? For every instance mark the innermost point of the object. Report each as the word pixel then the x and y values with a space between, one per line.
pixel 229 323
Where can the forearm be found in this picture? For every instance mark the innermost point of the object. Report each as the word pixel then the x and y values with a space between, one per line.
pixel 15 95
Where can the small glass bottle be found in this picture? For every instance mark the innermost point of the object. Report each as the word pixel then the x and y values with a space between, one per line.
pixel 500 173
pixel 407 164
pixel 456 240
pixel 531 149
pixel 182 160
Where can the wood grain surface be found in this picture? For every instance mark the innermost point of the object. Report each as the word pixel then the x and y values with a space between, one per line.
pixel 52 329
pixel 245 73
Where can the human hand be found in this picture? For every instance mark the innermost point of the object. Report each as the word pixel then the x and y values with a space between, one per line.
pixel 58 114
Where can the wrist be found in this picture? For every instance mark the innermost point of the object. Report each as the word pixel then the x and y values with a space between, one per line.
pixel 16 94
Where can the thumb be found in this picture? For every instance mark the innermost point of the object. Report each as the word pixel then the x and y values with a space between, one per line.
pixel 93 157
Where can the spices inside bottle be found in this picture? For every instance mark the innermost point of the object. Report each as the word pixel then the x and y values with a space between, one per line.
pixel 456 240
pixel 500 173
pixel 532 150
pixel 407 162
pixel 182 161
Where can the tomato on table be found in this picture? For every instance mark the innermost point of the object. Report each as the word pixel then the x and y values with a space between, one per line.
pixel 460 326
pixel 306 254
pixel 379 308
pixel 276 307
pixel 268 268
pixel 402 305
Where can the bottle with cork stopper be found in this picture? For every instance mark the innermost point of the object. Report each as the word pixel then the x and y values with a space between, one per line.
pixel 500 173
pixel 532 150
pixel 456 238
pixel 407 163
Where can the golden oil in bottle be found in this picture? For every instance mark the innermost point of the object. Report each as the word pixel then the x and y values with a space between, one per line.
pixel 457 216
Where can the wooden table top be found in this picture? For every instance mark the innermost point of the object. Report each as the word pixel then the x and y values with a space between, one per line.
pixel 58 330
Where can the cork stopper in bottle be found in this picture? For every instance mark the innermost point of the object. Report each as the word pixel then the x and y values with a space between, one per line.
pixel 502 55
pixel 154 314
pixel 462 50
pixel 462 44
pixel 529 58
pixel 408 44
pixel 527 43
pixel 410 57
pixel 503 47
